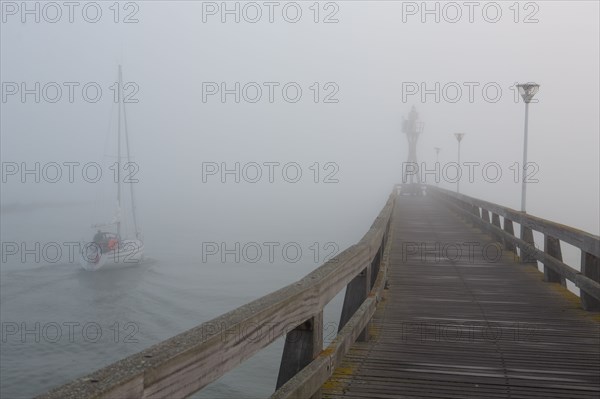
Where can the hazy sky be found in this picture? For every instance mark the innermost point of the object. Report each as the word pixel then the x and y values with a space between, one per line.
pixel 366 61
pixel 310 152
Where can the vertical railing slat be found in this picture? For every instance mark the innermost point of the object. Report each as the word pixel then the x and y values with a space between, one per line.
pixel 552 248
pixel 526 253
pixel 356 292
pixel 508 227
pixel 590 263
pixel 485 215
pixel 302 345
pixel 590 267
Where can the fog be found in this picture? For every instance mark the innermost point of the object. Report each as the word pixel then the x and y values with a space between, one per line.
pixel 368 63
pixel 369 54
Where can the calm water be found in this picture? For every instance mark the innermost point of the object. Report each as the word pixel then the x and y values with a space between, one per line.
pixel 60 322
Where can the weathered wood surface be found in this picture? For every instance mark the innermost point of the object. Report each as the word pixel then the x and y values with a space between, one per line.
pixel 301 346
pixel 468 326
pixel 552 248
pixel 585 241
pixel 187 362
pixel 590 267
pixel 588 279
pixel 312 377
pixel 184 364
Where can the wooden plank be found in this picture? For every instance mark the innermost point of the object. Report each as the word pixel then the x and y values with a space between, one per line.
pixel 586 284
pixel 467 327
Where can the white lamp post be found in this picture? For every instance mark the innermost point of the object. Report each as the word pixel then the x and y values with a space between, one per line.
pixel 459 137
pixel 527 91
pixel 437 161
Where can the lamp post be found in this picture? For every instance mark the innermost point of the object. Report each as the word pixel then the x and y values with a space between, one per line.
pixel 459 137
pixel 437 162
pixel 527 91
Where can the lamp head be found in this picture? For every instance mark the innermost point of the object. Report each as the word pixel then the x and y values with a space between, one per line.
pixel 528 91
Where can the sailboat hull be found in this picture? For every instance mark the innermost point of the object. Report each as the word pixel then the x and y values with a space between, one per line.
pixel 129 253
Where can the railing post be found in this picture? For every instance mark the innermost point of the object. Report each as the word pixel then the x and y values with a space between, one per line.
pixel 527 252
pixel 508 227
pixel 302 345
pixel 496 223
pixel 590 267
pixel 485 215
pixel 356 293
pixel 496 220
pixel 552 248
pixel 375 265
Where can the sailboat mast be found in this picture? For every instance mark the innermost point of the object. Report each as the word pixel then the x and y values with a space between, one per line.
pixel 119 88
pixel 133 210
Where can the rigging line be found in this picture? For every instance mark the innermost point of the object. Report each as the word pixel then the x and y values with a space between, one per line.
pixel 109 129
pixel 100 194
pixel 131 190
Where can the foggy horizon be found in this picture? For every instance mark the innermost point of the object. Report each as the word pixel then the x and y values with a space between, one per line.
pixel 266 123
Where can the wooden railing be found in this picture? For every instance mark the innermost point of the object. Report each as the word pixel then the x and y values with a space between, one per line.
pixel 479 212
pixel 186 363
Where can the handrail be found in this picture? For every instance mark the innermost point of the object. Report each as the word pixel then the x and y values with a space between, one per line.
pixel 588 279
pixel 182 365
pixel 583 240
pixel 308 381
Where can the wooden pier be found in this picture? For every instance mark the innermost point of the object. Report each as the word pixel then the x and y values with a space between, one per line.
pixel 441 300
pixel 462 319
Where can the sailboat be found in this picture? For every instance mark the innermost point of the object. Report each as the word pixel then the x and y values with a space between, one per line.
pixel 110 248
